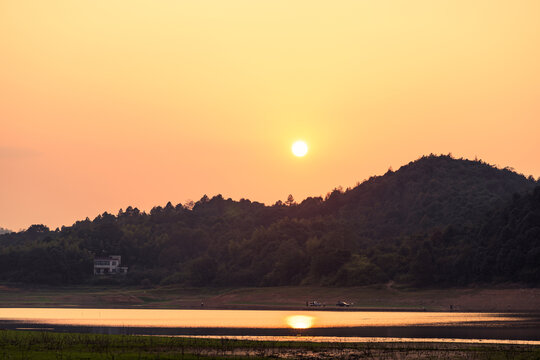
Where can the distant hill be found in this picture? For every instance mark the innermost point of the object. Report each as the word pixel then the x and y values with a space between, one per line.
pixel 435 221
pixel 433 191
pixel 4 231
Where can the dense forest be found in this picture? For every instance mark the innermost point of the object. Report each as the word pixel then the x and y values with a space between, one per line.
pixel 437 221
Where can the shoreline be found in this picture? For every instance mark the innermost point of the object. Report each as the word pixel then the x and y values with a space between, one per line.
pixel 362 299
pixel 277 308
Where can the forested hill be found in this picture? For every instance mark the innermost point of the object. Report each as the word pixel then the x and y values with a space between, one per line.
pixel 433 191
pixel 4 231
pixel 506 245
pixel 436 221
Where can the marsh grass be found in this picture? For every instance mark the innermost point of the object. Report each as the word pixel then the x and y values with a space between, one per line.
pixel 22 345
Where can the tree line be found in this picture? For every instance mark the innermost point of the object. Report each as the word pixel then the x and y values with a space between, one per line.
pixel 437 221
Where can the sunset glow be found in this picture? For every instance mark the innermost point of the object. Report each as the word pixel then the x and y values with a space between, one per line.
pixel 104 105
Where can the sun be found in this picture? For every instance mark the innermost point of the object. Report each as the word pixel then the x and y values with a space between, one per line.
pixel 299 148
pixel 300 321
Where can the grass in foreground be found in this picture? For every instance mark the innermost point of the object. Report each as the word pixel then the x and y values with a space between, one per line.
pixel 54 346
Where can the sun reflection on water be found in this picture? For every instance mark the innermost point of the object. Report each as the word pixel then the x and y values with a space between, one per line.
pixel 248 318
pixel 300 321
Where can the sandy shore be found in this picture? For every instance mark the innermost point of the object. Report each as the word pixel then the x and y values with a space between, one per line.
pixel 370 298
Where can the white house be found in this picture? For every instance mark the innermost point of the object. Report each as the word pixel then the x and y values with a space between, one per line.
pixel 109 265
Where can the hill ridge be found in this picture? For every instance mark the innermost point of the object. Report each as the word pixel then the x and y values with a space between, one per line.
pixel 424 224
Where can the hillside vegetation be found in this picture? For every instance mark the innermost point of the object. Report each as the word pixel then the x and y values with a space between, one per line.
pixel 435 221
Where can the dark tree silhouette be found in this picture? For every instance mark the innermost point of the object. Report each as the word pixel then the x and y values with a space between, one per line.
pixel 436 221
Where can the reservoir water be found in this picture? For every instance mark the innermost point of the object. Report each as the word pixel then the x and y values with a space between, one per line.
pixel 345 325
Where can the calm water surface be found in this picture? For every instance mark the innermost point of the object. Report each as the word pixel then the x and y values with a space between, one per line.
pixel 351 339
pixel 343 324
pixel 243 318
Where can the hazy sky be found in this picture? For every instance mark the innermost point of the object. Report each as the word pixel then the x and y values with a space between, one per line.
pixel 105 104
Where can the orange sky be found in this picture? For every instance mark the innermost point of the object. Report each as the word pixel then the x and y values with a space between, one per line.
pixel 105 104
